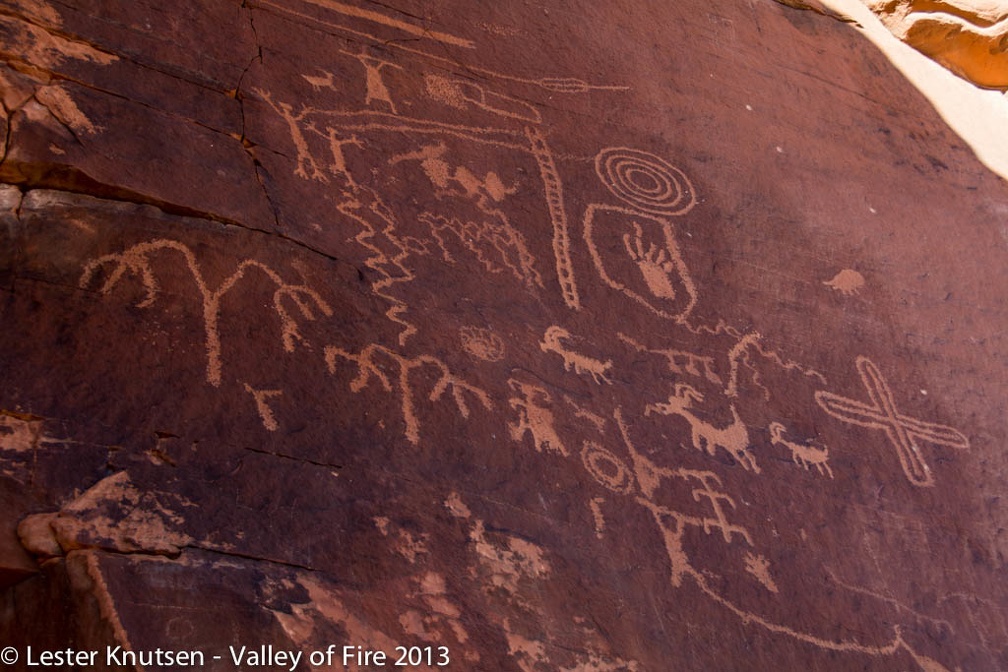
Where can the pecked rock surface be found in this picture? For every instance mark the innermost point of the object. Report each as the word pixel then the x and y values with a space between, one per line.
pixel 566 336
pixel 969 37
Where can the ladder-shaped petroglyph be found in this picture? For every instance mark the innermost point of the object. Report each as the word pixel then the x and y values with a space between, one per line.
pixel 535 417
pixel 137 260
pixel 680 361
pixel 733 438
pixel 903 431
pixel 558 216
pixel 803 455
pixel 369 367
pixel 554 340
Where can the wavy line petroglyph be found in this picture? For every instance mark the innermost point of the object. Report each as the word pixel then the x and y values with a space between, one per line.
pixel 739 353
pixel 554 341
pixel 137 261
pixel 659 269
pixel 733 438
pixel 368 367
pixel 902 431
pixel 801 454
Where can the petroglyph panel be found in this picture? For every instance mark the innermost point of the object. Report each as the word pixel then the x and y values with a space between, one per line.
pixel 554 407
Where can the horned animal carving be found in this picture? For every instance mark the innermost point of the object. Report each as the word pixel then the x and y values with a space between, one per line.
pixel 733 438
pixel 801 455
pixel 553 341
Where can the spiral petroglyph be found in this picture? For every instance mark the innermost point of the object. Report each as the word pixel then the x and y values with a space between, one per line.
pixel 645 181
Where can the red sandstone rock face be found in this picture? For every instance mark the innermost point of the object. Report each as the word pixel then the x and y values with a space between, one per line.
pixel 565 337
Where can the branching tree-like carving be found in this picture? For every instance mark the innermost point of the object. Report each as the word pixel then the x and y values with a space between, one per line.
pixel 137 261
pixel 368 368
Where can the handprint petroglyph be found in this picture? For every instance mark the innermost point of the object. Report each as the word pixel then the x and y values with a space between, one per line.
pixel 654 263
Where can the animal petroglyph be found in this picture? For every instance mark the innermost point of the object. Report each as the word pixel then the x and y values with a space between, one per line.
pixel 368 368
pixel 680 361
pixel 645 181
pixel 553 341
pixel 652 274
pixel 482 344
pixel 261 398
pixel 534 417
pixel 802 455
pixel 848 282
pixel 137 261
pixel 558 216
pixel 901 430
pixel 733 438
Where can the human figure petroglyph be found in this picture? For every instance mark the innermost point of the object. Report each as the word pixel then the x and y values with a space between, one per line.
pixel 554 341
pixel 733 438
pixel 902 431
pixel 339 165
pixel 655 265
pixel 368 368
pixel 534 417
pixel 307 168
pixel 137 260
pixel 376 89
pixel 802 455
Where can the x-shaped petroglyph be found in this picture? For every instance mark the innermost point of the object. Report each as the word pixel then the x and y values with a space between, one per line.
pixel 902 430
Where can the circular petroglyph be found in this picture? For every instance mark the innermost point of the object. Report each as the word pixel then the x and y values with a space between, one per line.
pixel 645 181
pixel 482 344
pixel 606 468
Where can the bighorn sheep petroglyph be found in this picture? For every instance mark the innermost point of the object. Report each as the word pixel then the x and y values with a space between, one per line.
pixel 801 455
pixel 733 438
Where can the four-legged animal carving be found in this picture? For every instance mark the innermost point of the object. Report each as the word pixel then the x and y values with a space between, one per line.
pixel 553 341
pixel 801 455
pixel 734 438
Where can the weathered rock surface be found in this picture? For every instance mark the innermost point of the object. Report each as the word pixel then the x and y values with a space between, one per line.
pixel 592 336
pixel 970 37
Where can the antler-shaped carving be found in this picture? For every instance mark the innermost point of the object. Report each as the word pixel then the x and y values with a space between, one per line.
pixel 137 261
pixel 367 368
